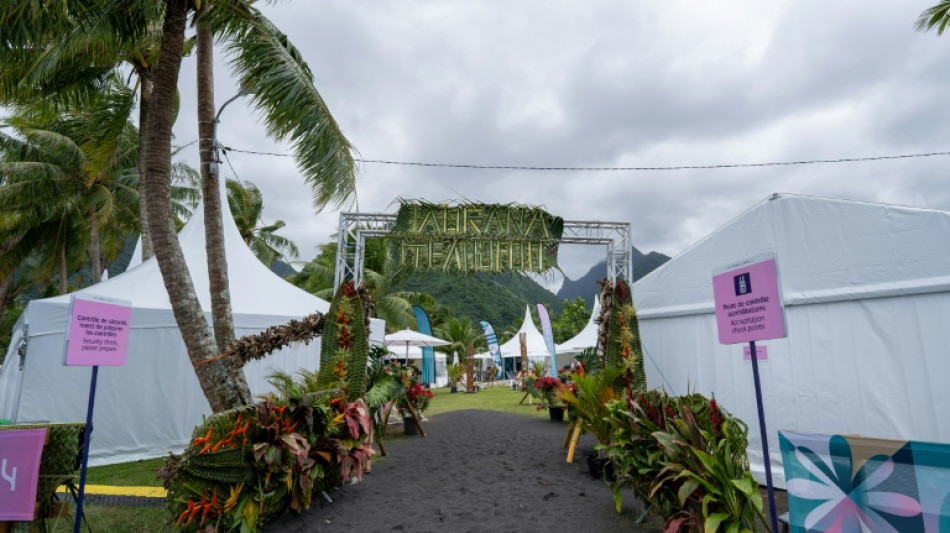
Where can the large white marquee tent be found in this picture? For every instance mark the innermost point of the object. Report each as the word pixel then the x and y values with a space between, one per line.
pixel 867 295
pixel 150 406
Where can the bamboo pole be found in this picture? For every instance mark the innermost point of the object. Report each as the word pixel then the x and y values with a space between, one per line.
pixel 574 438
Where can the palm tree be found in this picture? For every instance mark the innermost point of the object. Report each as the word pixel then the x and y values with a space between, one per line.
pixel 264 61
pixel 935 18
pixel 68 181
pixel 247 205
pixel 380 277
pixel 459 332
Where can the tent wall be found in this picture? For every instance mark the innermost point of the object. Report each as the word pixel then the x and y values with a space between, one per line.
pixel 144 409
pixel 866 308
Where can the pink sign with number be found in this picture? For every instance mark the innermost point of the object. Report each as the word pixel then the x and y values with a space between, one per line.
pixel 20 453
pixel 748 301
pixel 98 332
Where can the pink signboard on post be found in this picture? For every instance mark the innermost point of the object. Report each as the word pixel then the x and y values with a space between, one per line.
pixel 20 453
pixel 748 301
pixel 98 331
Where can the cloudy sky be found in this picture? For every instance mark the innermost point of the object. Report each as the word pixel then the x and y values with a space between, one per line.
pixel 609 83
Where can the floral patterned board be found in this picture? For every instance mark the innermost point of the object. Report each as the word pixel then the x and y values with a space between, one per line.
pixel 845 483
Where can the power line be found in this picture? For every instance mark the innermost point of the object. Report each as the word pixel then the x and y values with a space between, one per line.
pixel 623 169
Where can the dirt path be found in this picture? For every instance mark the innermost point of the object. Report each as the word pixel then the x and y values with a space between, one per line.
pixel 477 471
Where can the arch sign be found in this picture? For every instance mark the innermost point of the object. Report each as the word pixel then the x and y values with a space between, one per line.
pixel 475 238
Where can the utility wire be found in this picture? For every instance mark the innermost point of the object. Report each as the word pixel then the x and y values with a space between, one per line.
pixel 623 169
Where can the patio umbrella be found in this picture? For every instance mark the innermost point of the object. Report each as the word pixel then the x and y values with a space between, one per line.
pixel 407 338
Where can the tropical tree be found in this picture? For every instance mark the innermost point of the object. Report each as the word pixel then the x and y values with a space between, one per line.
pixel 459 332
pixel 935 18
pixel 272 69
pixel 247 206
pixel 70 182
pixel 571 320
pixel 380 276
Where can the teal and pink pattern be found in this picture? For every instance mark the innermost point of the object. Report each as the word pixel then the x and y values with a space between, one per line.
pixel 845 483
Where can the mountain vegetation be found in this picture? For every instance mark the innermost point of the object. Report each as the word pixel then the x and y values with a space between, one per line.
pixel 586 286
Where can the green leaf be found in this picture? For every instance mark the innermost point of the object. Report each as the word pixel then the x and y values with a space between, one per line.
pixel 746 485
pixel 686 489
pixel 712 522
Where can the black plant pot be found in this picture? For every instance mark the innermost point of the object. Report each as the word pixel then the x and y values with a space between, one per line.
pixel 454 390
pixel 556 413
pixel 409 426
pixel 600 468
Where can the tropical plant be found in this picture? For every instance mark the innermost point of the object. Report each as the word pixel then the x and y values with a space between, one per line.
pixel 246 465
pixel 458 332
pixel 69 184
pixel 589 358
pixel 547 392
pixel 454 373
pixel 379 277
pixel 265 62
pixel 935 18
pixel 685 458
pixel 587 399
pixel 571 320
pixel 247 206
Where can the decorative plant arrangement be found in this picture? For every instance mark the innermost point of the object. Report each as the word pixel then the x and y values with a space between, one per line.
pixel 545 390
pixel 345 343
pixel 245 466
pixel 620 334
pixel 587 399
pixel 685 457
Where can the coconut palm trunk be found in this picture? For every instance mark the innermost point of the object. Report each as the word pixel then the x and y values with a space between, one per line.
pixel 145 94
pixel 63 271
pixel 223 388
pixel 211 193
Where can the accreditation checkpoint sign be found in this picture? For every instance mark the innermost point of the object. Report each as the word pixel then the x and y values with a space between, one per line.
pixel 748 301
pixel 749 308
pixel 98 335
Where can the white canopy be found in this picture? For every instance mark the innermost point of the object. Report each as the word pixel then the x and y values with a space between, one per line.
pixel 535 341
pixel 150 406
pixel 867 294
pixel 587 336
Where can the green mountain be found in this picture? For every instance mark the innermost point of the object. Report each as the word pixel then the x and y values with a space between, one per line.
pixel 498 298
pixel 586 286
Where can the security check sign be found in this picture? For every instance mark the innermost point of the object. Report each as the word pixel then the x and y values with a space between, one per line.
pixel 748 301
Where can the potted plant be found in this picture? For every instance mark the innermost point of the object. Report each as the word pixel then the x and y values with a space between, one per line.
pixel 454 372
pixel 418 397
pixel 588 398
pixel 546 390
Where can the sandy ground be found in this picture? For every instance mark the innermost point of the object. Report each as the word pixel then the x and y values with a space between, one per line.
pixel 477 471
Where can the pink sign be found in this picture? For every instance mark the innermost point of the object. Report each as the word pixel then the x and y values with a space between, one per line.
pixel 748 301
pixel 98 331
pixel 761 353
pixel 20 453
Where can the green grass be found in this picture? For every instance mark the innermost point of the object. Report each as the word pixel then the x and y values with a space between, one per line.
pixel 142 473
pixel 134 474
pixel 497 398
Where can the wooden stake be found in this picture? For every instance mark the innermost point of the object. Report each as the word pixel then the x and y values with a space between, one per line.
pixel 576 437
pixel 415 418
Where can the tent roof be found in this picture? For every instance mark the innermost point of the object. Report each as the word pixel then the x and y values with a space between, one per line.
pixel 534 340
pixel 827 250
pixel 587 336
pixel 254 288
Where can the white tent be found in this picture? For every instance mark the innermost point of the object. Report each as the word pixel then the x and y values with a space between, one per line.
pixel 537 349
pixel 587 336
pixel 867 294
pixel 150 406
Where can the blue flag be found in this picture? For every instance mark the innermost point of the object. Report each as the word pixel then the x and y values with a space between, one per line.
pixel 428 353
pixel 493 348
